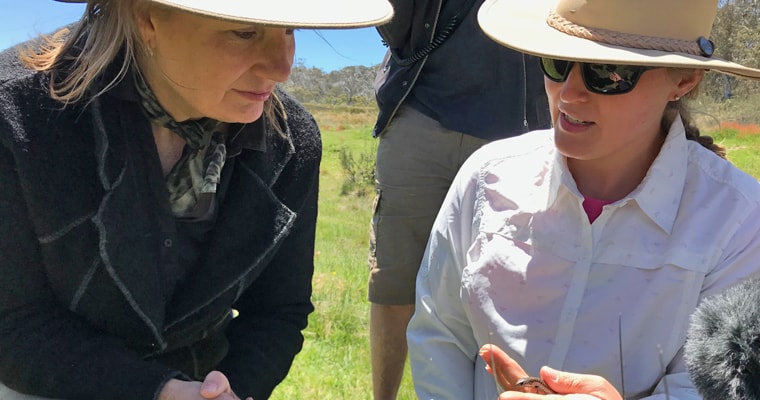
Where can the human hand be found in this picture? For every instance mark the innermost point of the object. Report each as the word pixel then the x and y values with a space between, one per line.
pixel 504 369
pixel 567 385
pixel 215 386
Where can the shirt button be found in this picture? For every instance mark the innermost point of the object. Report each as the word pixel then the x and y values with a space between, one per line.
pixel 168 243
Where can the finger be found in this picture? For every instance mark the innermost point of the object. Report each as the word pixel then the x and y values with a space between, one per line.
pixel 515 395
pixel 505 369
pixel 214 385
pixel 567 382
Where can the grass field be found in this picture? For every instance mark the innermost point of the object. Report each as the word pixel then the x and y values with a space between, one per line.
pixel 743 144
pixel 334 363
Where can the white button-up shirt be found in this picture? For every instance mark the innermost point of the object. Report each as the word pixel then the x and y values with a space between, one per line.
pixel 513 260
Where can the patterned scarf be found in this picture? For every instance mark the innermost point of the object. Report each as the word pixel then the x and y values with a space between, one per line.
pixel 193 180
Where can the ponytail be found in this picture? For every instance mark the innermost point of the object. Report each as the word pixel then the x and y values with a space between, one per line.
pixel 679 108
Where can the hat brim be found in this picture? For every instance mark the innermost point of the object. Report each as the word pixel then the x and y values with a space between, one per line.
pixel 334 14
pixel 328 14
pixel 521 25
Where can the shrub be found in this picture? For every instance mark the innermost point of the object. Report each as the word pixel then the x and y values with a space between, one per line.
pixel 359 171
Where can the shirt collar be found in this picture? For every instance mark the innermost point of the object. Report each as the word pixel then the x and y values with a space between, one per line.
pixel 659 193
pixel 251 136
pixel 560 177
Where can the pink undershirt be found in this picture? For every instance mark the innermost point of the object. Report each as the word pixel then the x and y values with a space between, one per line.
pixel 593 207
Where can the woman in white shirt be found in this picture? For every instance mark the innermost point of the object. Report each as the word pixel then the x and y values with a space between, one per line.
pixel 586 248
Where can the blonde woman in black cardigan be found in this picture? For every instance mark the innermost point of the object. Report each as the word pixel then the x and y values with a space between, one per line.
pixel 159 201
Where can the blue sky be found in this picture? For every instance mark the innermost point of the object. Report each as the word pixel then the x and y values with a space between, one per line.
pixel 328 50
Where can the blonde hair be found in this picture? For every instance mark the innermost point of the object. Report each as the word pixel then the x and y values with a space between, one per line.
pixel 106 29
pixel 76 59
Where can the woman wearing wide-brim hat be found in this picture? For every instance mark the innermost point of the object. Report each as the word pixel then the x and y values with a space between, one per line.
pixel 159 200
pixel 571 259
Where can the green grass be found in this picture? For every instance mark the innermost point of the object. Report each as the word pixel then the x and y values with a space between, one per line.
pixel 743 144
pixel 335 363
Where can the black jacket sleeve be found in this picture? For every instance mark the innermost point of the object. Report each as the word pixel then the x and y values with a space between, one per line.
pixel 46 350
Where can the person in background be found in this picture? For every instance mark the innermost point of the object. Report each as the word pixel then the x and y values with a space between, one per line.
pixel 159 200
pixel 578 275
pixel 443 90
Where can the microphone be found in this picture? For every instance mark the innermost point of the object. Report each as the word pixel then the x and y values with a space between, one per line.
pixel 722 350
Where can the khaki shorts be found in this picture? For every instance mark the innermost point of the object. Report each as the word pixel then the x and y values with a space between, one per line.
pixel 417 160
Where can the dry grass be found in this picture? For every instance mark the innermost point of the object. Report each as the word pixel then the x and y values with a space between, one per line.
pixel 337 119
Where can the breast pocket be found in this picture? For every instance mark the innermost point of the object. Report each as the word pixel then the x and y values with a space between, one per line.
pixel 672 278
pixel 663 287
pixel 694 260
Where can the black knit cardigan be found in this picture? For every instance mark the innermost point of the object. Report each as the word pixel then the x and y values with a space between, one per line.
pixel 82 241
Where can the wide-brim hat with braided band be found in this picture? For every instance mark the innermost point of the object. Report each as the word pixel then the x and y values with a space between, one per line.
pixel 661 33
pixel 332 14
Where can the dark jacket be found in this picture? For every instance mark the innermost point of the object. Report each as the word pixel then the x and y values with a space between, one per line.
pixel 83 311
pixel 468 83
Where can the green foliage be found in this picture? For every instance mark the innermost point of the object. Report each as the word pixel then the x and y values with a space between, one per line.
pixel 736 33
pixel 743 144
pixel 360 172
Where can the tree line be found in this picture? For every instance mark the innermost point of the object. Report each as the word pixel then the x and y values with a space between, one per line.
pixel 736 33
pixel 348 86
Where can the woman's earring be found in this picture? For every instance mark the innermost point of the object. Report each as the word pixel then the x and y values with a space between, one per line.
pixel 676 98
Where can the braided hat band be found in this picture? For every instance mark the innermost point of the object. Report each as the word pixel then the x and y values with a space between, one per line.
pixel 701 47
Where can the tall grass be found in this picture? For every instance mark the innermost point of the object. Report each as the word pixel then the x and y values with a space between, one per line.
pixel 334 363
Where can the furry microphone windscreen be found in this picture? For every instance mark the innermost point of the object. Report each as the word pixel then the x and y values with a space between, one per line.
pixel 722 351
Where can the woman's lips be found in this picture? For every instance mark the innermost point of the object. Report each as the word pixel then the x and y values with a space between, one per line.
pixel 571 124
pixel 254 96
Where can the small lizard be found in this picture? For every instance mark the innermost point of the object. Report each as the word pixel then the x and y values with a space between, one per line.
pixel 534 383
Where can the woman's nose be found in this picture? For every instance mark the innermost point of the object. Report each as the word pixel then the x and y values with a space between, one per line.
pixel 573 88
pixel 276 59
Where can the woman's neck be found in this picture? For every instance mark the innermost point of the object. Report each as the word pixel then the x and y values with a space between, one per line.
pixel 612 178
pixel 160 85
pixel 169 147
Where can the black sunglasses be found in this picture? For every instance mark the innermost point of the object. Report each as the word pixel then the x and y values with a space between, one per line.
pixel 598 78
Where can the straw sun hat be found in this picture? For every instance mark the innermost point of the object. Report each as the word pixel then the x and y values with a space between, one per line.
pixel 332 14
pixel 663 33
